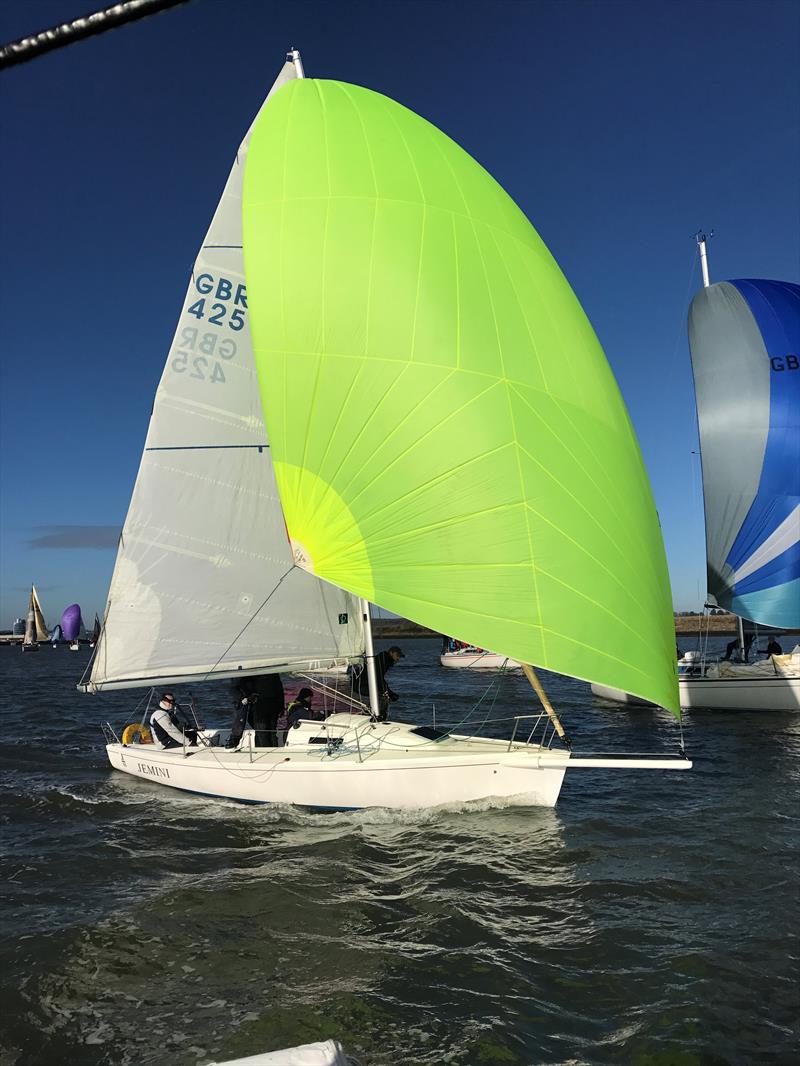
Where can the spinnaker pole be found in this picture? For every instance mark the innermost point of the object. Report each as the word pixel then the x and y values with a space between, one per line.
pixel 536 685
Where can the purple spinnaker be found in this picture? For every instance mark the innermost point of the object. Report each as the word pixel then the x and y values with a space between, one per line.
pixel 71 622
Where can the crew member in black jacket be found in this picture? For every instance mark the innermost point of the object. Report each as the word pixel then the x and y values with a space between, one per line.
pixel 384 661
pixel 259 702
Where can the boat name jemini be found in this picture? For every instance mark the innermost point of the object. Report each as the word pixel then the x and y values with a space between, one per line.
pixel 156 771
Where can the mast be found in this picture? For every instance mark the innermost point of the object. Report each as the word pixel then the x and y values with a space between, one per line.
pixel 30 622
pixel 369 652
pixel 740 634
pixel 702 239
pixel 293 56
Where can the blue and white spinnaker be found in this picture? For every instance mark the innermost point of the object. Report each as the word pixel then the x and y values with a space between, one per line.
pixel 745 344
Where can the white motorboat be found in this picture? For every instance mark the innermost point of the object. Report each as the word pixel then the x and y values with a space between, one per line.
pixel 477 659
pixel 450 500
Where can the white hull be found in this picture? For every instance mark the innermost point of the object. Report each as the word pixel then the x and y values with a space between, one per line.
pixel 350 762
pixel 477 660
pixel 725 694
pixel 395 769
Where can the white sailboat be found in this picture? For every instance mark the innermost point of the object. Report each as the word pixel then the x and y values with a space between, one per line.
pixel 770 684
pixel 220 575
pixel 35 627
pixel 476 659
pixel 743 336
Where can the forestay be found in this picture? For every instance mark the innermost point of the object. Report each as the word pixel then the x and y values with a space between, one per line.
pixel 745 344
pixel 204 582
pixel 449 440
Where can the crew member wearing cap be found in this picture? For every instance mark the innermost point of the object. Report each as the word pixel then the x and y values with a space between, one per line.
pixel 300 708
pixel 167 727
pixel 384 661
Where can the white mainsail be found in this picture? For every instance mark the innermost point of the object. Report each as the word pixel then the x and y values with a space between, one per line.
pixel 204 583
pixel 35 626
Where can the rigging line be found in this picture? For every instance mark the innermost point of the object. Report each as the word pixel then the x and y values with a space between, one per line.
pixel 680 335
pixel 96 647
pixel 210 747
pixel 493 684
pixel 149 697
pixel 252 618
pixel 496 684
pixel 336 694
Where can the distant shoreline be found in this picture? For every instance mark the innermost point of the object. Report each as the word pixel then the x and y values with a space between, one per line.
pixel 402 629
pixel 685 624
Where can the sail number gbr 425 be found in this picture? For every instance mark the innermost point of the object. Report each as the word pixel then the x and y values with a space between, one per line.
pixel 201 352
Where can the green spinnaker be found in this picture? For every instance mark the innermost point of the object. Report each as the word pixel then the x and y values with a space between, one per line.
pixel 448 438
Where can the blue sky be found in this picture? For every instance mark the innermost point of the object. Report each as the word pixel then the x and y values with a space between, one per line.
pixel 619 128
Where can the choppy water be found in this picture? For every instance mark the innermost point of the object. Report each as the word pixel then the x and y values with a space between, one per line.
pixel 649 919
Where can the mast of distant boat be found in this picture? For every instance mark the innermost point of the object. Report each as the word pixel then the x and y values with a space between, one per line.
pixel 702 240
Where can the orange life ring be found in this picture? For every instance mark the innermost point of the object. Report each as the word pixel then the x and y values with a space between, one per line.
pixel 136 734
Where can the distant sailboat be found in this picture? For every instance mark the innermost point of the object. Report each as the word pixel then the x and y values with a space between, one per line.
pixel 745 345
pixel 412 334
pixel 71 623
pixel 35 628
pixel 458 656
pixel 95 636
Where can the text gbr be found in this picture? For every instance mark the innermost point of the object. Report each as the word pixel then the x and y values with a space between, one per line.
pixel 222 303
pixel 785 362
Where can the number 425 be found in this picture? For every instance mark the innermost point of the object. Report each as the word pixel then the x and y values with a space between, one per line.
pixel 199 367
